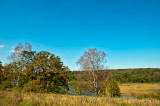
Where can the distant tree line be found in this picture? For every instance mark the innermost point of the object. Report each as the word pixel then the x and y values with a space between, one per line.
pixel 142 75
pixel 30 71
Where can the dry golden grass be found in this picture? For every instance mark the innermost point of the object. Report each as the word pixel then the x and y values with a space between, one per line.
pixel 140 90
pixel 39 99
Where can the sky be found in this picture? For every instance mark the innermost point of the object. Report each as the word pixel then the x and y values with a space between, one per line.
pixel 128 31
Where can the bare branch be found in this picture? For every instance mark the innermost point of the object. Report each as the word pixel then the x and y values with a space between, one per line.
pixel 92 61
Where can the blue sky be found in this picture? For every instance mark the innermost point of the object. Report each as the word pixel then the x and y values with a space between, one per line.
pixel 127 30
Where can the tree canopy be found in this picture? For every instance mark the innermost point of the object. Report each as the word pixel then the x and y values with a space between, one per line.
pixel 34 72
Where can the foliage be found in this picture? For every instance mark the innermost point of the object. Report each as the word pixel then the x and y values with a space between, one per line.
pixel 75 88
pixel 146 75
pixel 34 72
pixel 113 88
pixel 70 75
pixel 1 75
pixel 142 75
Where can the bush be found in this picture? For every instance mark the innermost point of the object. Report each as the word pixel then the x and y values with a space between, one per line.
pixel 74 88
pixel 113 89
pixel 31 86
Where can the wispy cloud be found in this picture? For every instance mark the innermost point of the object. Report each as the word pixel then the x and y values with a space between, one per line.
pixel 1 46
pixel 12 51
pixel 13 47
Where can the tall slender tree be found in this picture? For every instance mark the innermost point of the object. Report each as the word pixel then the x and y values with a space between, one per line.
pixel 92 62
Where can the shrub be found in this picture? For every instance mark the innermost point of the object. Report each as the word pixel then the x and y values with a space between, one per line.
pixel 113 88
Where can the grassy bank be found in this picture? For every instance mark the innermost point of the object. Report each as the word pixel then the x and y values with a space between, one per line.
pixel 141 90
pixel 36 99
pixel 136 90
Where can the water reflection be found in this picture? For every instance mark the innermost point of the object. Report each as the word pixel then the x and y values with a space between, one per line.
pixel 86 93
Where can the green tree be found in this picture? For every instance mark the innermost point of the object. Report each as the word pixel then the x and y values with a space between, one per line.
pixel 113 88
pixel 17 65
pixel 8 77
pixel 34 72
pixel 1 75
pixel 48 72
pixel 75 89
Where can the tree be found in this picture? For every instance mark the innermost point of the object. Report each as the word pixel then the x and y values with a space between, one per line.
pixel 113 89
pixel 1 72
pixel 18 51
pixel 34 72
pixel 19 59
pixel 9 77
pixel 46 74
pixel 92 62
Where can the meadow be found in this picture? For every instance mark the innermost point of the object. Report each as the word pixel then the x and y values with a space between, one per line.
pixel 41 99
pixel 140 90
pixel 145 95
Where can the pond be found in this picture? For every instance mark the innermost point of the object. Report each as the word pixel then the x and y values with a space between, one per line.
pixel 83 93
pixel 86 93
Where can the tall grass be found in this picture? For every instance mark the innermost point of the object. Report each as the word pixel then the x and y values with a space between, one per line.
pixel 40 99
pixel 140 90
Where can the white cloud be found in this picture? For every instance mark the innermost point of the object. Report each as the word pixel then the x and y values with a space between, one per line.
pixel 12 51
pixel 1 46
pixel 13 47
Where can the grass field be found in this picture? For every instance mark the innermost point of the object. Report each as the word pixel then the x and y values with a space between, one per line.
pixel 147 94
pixel 37 99
pixel 140 90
